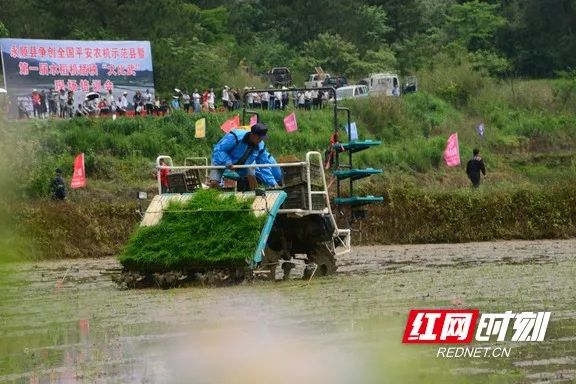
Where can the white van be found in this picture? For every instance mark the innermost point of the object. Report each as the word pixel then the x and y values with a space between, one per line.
pixel 383 83
pixel 351 92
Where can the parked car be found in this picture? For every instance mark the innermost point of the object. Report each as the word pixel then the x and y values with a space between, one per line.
pixel 351 92
pixel 383 83
pixel 316 80
pixel 280 76
pixel 335 82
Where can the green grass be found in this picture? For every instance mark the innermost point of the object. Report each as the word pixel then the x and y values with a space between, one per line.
pixel 529 150
pixel 410 215
pixel 209 230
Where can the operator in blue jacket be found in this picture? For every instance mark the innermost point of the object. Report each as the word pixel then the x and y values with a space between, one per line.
pixel 265 172
pixel 239 147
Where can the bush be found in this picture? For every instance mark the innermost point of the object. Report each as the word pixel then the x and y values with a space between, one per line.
pixel 410 215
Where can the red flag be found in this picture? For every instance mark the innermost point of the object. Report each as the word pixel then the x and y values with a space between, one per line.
pixel 253 120
pixel 79 176
pixel 452 151
pixel 290 123
pixel 230 124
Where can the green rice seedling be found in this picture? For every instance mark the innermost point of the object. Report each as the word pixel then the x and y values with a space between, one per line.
pixel 208 231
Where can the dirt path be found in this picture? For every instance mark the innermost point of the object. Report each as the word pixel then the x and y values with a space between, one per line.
pixel 342 329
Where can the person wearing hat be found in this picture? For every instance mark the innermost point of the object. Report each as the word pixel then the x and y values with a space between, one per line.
pixel 58 187
pixel 226 98
pixel 175 103
pixel 240 147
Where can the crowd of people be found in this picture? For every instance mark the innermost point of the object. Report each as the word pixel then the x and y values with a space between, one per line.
pixel 232 98
pixel 62 104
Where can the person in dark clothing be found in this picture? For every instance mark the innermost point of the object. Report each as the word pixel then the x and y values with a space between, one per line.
pixel 474 167
pixel 58 187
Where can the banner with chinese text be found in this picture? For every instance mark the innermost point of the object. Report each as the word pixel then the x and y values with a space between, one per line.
pixel 74 65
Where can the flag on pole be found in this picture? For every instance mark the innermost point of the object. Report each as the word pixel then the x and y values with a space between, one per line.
pixel 200 131
pixel 452 151
pixel 79 176
pixel 228 125
pixel 480 129
pixel 290 123
pixel 353 131
pixel 253 120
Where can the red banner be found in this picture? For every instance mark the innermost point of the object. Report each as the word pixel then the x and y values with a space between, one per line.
pixel 290 123
pixel 230 124
pixel 452 151
pixel 79 176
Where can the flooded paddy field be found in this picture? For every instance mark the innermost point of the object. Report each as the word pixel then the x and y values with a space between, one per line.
pixel 67 322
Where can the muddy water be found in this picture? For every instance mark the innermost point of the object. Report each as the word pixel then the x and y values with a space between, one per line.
pixel 66 322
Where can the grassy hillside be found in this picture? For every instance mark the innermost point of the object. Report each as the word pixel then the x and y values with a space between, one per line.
pixel 528 147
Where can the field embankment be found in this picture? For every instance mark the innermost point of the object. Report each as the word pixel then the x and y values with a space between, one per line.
pixel 528 146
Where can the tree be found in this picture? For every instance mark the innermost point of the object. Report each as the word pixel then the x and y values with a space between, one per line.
pixel 375 61
pixel 541 38
pixel 370 27
pixel 474 25
pixel 3 30
pixel 332 52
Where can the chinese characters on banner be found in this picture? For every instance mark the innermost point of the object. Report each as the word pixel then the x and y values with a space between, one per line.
pixel 74 65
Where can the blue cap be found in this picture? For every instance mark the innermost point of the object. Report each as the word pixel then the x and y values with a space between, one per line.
pixel 259 129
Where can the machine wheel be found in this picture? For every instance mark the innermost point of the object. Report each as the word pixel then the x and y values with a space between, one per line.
pixel 325 261
pixel 270 261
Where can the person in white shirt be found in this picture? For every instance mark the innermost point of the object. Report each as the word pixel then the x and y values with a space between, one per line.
pixel 314 95
pixel 250 99
pixel 226 98
pixel 148 102
pixel 256 100
pixel 278 100
pixel 186 101
pixel 123 103
pixel 196 98
pixel 211 98
pixel 111 101
pixel 301 100
pixel 265 97
pixel 307 100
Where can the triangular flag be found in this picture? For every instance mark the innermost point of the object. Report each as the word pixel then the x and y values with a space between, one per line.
pixel 236 121
pixel 79 176
pixel 253 120
pixel 480 129
pixel 452 151
pixel 200 132
pixel 230 124
pixel 290 123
